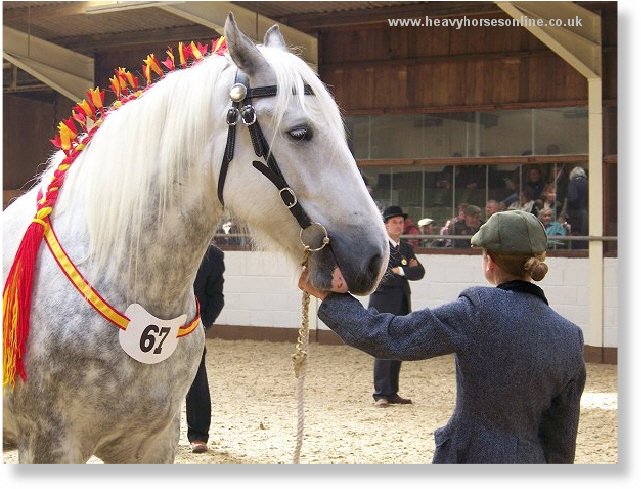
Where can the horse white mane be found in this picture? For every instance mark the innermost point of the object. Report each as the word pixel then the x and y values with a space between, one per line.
pixel 151 149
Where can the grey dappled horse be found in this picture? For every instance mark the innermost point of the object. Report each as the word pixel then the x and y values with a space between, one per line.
pixel 136 214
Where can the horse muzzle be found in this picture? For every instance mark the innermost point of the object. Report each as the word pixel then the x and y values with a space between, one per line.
pixel 361 264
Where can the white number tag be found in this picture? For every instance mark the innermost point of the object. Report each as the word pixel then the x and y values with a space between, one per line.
pixel 147 338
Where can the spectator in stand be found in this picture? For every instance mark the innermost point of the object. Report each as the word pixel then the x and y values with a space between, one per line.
pixel 411 229
pixel 578 205
pixel 534 180
pixel 512 185
pixel 426 227
pixel 468 226
pixel 526 202
pixel 548 200
pixel 492 206
pixel 553 228
pixel 447 229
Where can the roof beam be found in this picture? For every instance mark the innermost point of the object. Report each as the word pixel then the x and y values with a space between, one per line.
pixel 579 45
pixel 72 74
pixel 106 40
pixel 102 7
pixel 44 11
pixel 214 14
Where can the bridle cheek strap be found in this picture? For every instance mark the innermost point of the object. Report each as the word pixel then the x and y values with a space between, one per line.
pixel 241 93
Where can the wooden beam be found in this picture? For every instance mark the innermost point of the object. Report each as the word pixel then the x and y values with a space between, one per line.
pixel 579 46
pixel 67 72
pixel 105 7
pixel 38 87
pixel 99 42
pixel 57 9
pixel 214 15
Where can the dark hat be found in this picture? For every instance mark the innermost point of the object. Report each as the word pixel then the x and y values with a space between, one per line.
pixel 513 232
pixel 393 211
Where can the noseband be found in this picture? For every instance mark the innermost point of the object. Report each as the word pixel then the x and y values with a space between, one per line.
pixel 242 110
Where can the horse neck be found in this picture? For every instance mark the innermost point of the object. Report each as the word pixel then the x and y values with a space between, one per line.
pixel 157 267
pixel 168 258
pixel 149 243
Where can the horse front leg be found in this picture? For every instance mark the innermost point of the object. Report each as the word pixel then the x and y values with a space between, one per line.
pixel 50 446
pixel 143 447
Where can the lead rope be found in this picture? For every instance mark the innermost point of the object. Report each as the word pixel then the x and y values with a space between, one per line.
pixel 300 365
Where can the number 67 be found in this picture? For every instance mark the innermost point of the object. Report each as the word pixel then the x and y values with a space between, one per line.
pixel 149 336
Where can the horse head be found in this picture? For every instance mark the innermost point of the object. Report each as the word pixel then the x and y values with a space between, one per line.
pixel 304 133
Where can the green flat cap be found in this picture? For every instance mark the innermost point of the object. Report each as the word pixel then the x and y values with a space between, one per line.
pixel 514 232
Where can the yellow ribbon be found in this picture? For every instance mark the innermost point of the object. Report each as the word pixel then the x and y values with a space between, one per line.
pixel 88 292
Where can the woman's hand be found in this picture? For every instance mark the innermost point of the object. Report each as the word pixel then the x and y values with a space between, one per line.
pixel 338 284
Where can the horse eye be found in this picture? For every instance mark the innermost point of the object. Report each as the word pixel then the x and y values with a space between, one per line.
pixel 303 133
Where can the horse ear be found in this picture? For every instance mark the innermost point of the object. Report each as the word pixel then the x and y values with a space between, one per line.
pixel 273 38
pixel 242 49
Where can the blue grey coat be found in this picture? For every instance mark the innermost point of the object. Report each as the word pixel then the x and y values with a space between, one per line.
pixel 520 371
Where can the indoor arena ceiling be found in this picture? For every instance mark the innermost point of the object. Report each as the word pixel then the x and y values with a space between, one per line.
pixel 84 27
pixel 44 40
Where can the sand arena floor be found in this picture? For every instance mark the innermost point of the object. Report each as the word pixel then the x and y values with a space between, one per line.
pixel 254 415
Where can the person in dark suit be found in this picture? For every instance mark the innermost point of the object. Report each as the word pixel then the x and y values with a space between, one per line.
pixel 578 206
pixel 208 287
pixel 393 295
pixel 520 371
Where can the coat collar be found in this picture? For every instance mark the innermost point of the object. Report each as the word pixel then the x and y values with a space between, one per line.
pixel 523 286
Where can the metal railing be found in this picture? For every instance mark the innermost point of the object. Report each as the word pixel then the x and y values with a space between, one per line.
pixel 244 241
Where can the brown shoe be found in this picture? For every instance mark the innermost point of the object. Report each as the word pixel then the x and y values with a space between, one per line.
pixel 396 399
pixel 198 446
pixel 382 402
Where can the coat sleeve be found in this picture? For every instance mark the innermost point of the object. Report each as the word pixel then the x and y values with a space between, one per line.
pixel 559 424
pixel 416 272
pixel 417 336
pixel 210 293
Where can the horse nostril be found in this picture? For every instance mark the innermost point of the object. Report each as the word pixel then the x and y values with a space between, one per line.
pixel 375 264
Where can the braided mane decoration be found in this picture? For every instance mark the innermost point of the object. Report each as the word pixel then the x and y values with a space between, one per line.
pixel 71 140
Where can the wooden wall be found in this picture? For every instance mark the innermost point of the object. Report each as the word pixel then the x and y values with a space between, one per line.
pixel 132 59
pixel 370 69
pixel 28 121
pixel 380 68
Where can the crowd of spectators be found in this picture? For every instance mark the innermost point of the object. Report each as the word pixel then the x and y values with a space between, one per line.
pixel 560 203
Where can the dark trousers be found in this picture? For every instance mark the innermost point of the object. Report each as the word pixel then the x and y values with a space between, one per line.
pixel 386 372
pixel 386 378
pixel 198 405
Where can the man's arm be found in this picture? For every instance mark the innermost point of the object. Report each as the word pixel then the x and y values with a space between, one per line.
pixel 414 270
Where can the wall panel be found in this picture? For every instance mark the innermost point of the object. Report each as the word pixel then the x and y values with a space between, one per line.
pixel 449 67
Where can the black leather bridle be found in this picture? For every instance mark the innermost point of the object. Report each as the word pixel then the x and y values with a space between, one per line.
pixel 242 110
